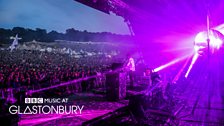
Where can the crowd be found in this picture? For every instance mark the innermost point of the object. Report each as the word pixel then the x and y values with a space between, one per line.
pixel 34 69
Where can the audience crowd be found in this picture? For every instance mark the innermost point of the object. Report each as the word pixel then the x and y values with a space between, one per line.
pixel 31 69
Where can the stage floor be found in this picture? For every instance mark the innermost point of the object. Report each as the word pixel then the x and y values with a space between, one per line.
pixel 203 105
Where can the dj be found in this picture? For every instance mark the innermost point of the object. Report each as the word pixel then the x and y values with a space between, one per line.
pixel 130 67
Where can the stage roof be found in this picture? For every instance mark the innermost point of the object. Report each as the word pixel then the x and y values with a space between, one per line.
pixel 165 28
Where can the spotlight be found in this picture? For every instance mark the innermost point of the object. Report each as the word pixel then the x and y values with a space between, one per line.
pixel 195 57
pixel 201 43
pixel 171 63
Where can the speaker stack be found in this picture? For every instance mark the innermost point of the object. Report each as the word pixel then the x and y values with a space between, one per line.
pixel 115 86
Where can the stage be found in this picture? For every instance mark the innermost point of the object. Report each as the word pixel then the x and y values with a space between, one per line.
pixel 192 103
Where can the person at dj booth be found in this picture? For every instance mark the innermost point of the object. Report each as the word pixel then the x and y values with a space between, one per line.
pixel 147 76
pixel 130 68
pixel 155 77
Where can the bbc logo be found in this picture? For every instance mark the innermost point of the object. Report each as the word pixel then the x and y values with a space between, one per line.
pixel 34 100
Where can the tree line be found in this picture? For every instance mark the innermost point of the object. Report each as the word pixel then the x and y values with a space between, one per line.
pixel 71 35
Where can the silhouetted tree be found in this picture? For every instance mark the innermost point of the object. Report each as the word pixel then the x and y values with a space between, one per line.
pixel 71 34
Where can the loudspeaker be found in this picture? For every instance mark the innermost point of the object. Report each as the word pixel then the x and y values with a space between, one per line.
pixel 115 86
